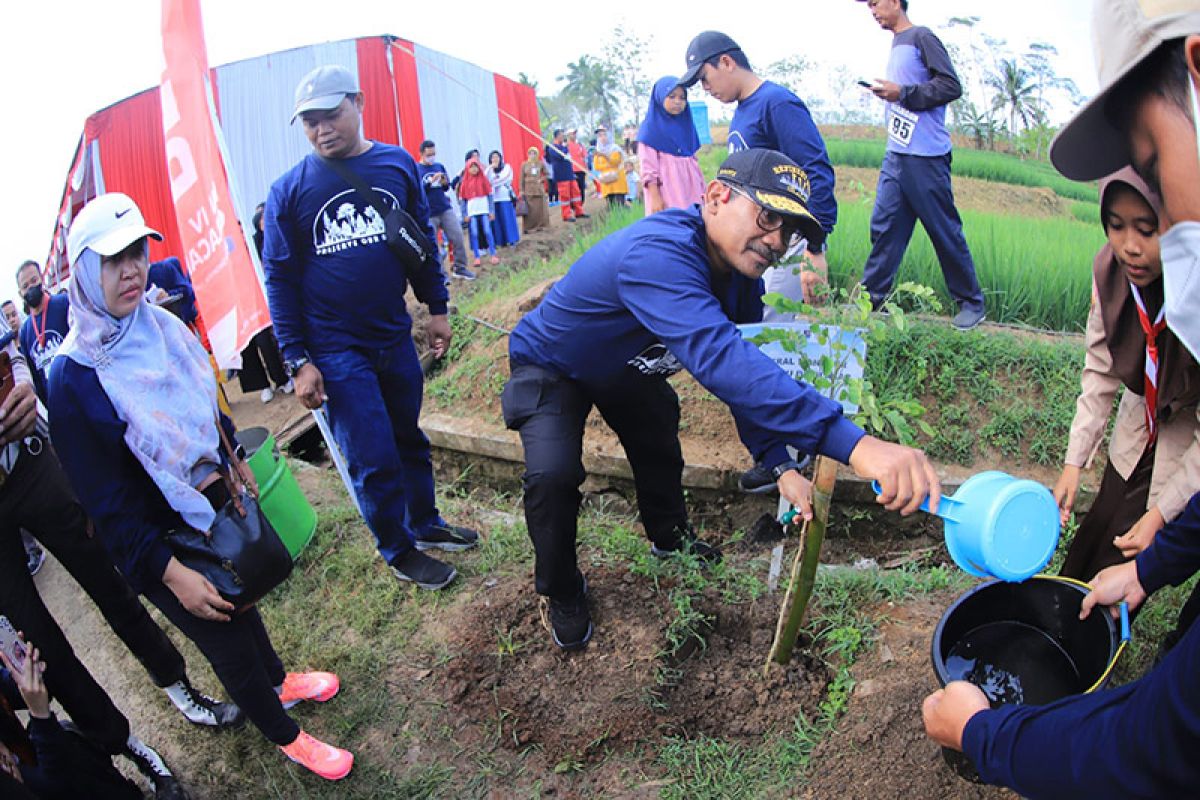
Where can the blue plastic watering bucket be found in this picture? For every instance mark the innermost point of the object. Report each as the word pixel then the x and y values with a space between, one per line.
pixel 998 526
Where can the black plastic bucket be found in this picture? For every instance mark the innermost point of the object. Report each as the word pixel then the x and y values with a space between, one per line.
pixel 1023 643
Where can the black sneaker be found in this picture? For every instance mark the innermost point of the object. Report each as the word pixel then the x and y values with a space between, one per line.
pixel 425 571
pixel 967 319
pixel 757 480
pixel 571 621
pixel 150 764
pixel 687 542
pixel 760 480
pixel 451 538
pixel 200 709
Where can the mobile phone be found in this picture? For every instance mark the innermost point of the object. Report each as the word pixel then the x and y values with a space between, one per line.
pixel 864 84
pixel 13 647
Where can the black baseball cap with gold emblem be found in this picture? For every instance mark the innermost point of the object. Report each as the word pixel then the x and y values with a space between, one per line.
pixel 776 183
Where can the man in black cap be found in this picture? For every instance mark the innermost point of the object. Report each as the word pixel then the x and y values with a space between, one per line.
pixel 647 301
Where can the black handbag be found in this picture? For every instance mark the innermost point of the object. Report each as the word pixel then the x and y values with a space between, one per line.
pixel 402 234
pixel 242 556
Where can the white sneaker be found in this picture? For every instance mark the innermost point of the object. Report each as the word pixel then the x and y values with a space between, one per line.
pixel 288 387
pixel 267 395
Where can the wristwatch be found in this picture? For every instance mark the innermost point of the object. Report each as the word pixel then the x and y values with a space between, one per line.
pixel 786 466
pixel 294 365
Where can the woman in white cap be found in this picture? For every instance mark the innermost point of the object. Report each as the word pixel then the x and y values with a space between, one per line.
pixel 134 417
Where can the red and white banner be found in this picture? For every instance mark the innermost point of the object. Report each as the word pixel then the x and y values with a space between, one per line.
pixel 215 253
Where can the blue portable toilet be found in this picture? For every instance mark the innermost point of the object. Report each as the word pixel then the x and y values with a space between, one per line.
pixel 700 120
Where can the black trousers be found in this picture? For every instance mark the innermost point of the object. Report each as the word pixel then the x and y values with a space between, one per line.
pixel 38 498
pixel 549 411
pixel 260 360
pixel 581 179
pixel 243 659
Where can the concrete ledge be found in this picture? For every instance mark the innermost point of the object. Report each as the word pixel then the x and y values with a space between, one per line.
pixel 450 433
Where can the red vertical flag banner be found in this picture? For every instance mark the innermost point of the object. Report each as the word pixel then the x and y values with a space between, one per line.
pixel 228 291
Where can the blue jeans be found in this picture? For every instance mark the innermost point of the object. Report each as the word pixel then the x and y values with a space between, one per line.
pixel 915 188
pixel 480 228
pixel 374 406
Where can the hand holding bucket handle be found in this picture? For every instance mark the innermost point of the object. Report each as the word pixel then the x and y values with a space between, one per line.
pixel 904 473
pixel 945 507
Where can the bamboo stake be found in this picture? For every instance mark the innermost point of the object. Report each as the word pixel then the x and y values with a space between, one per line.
pixel 804 568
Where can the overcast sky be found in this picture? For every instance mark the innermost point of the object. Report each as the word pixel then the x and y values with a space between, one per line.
pixel 64 59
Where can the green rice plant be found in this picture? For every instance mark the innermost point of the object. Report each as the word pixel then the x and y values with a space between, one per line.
pixel 982 164
pixel 1033 271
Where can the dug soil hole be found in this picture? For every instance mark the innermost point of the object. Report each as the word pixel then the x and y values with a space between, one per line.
pixel 631 684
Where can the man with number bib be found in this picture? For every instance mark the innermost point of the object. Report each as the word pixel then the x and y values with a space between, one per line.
pixel 914 183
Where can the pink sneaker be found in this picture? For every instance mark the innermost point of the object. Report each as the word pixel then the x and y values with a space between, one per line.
pixel 331 763
pixel 493 260
pixel 317 686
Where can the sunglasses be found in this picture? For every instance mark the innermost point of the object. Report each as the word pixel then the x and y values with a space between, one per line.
pixel 770 221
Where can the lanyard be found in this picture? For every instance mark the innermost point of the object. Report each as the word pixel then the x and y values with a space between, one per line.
pixel 33 320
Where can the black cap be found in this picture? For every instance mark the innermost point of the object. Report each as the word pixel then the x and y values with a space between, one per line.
pixel 775 182
pixel 709 44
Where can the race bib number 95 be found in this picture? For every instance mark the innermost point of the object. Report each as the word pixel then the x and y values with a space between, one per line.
pixel 902 124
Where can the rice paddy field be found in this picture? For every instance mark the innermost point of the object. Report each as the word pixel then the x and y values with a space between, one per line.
pixel 1035 270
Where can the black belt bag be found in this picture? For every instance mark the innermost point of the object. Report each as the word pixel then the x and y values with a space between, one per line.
pixel 242 556
pixel 402 233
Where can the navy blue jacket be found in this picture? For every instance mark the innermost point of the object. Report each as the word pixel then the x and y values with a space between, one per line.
pixel 1138 740
pixel 129 512
pixel 775 118
pixel 332 282
pixel 645 301
pixel 559 159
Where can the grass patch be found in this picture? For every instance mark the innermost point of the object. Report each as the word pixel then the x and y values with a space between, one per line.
pixel 989 397
pixel 967 163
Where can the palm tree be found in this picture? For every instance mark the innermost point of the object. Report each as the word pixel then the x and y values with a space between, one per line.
pixel 1015 90
pixel 590 83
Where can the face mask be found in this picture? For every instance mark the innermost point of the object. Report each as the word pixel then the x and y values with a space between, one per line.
pixel 1181 268
pixel 33 296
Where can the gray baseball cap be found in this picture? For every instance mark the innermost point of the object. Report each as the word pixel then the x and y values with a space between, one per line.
pixel 324 88
pixel 1124 33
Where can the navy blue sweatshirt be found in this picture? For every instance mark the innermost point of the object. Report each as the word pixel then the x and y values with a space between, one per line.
pixel 645 301
pixel 130 514
pixel 435 194
pixel 1138 740
pixel 332 282
pixel 775 118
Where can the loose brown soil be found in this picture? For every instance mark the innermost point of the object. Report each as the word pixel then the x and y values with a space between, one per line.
pixel 879 750
pixel 625 687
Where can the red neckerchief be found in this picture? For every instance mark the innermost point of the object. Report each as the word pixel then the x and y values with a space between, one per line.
pixel 1151 330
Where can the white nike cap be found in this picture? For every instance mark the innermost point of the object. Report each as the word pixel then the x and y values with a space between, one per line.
pixel 107 225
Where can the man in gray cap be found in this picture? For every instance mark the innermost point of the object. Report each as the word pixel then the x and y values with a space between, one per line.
pixel 1140 739
pixel 336 279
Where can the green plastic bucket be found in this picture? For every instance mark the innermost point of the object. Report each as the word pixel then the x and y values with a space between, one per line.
pixel 279 496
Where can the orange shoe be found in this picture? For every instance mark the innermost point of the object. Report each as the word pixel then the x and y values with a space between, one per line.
pixel 331 763
pixel 298 686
